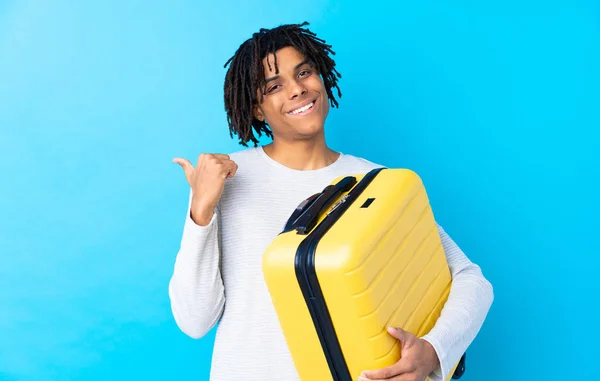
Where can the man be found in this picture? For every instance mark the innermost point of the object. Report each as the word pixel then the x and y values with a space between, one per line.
pixel 281 83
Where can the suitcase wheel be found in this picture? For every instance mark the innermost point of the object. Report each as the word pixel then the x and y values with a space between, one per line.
pixel 460 369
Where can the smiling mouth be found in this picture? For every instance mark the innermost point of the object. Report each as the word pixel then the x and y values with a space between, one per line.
pixel 303 110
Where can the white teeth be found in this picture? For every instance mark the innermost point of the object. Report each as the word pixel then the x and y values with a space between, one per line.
pixel 302 109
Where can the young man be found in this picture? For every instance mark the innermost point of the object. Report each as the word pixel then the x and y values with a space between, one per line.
pixel 281 83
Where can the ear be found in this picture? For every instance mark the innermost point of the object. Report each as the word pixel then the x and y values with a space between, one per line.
pixel 258 113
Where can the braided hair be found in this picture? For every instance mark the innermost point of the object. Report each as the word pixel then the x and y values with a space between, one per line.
pixel 246 75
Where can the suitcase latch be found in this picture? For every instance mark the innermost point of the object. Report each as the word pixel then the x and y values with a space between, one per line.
pixel 337 204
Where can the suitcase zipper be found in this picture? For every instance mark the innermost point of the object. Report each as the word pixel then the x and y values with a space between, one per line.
pixel 309 283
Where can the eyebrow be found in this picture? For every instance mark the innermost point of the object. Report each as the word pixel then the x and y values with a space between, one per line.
pixel 295 68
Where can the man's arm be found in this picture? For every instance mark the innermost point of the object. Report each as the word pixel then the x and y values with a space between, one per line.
pixel 471 296
pixel 196 288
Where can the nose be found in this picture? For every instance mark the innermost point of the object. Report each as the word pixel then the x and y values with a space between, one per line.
pixel 296 90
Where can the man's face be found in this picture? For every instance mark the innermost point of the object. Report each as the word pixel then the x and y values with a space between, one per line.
pixel 295 101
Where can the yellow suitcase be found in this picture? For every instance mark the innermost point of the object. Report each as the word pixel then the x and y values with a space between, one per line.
pixel 360 256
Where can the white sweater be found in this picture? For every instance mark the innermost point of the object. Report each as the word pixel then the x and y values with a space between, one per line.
pixel 218 278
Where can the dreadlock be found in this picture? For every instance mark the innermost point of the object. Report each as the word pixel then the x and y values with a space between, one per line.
pixel 246 75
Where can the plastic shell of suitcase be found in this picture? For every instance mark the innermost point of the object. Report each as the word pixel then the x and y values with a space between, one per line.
pixel 360 256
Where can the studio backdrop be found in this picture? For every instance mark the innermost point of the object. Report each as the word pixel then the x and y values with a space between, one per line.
pixel 494 104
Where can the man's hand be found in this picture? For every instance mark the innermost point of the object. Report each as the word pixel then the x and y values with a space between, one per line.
pixel 207 181
pixel 418 360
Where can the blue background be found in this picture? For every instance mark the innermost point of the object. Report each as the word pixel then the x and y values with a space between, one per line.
pixel 496 105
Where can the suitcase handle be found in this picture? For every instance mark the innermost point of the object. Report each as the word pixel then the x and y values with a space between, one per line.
pixel 290 224
pixel 311 208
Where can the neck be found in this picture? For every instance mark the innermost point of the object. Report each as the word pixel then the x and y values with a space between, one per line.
pixel 302 155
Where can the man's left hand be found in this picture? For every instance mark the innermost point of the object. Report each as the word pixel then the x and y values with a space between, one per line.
pixel 418 360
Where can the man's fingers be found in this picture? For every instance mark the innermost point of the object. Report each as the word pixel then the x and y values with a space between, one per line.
pixel 232 168
pixel 211 157
pixel 228 168
pixel 388 372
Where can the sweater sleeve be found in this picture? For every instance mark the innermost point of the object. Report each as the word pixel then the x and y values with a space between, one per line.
pixel 469 301
pixel 196 288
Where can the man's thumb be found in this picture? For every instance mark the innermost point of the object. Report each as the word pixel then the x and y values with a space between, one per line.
pixel 185 164
pixel 398 333
pixel 406 338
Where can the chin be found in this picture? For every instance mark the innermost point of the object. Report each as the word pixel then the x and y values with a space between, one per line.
pixel 309 132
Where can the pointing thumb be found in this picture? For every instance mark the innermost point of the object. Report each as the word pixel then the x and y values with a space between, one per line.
pixel 185 164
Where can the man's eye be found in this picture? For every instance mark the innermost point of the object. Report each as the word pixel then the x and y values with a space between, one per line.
pixel 273 88
pixel 304 73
